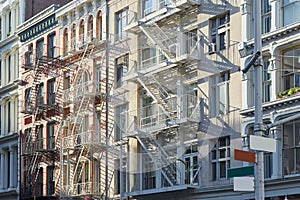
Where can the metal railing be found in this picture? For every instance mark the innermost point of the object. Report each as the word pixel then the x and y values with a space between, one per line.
pixel 153 117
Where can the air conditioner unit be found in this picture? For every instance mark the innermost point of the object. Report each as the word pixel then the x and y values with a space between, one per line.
pixel 28 49
pixel 212 48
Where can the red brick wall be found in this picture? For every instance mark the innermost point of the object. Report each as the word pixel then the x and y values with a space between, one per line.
pixel 35 6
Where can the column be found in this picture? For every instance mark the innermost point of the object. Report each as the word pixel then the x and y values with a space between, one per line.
pixel 275 14
pixel 274 69
pixel 13 19
pixel 277 156
pixel 2 70
pixel 11 168
pixel 246 20
pixel 22 11
pixel 1 169
pixel 3 24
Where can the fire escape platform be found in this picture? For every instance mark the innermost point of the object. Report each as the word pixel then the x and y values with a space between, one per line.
pixel 179 6
pixel 157 190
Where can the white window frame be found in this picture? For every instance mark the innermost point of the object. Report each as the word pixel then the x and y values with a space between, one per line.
pixel 265 16
pixel 292 73
pixel 219 27
pixel 267 81
pixel 121 70
pixel 294 4
pixel 121 23
pixel 290 144
pixel 192 176
pixel 218 82
pixel 215 175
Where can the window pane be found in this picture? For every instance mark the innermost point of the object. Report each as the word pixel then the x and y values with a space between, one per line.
pixel 288 161
pixel 288 139
pixel 222 153
pixel 298 160
pixel 223 169
pixel 213 167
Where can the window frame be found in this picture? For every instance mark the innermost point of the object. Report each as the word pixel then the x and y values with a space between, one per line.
pixel 219 29
pixel 217 159
pixel 121 70
pixel 121 22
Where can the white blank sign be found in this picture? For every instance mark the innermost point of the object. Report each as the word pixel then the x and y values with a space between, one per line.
pixel 262 143
pixel 243 184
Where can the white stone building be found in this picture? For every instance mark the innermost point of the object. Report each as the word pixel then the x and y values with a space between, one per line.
pixel 11 15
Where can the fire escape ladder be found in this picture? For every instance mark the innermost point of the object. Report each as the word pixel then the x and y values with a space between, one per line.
pixel 77 167
pixel 158 93
pixel 161 39
pixel 160 161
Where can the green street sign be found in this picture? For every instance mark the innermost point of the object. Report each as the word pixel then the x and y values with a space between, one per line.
pixel 241 171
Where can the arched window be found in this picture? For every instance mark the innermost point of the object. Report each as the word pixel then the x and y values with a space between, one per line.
pixel 90 28
pixel 81 31
pixel 99 25
pixel 65 41
pixel 73 37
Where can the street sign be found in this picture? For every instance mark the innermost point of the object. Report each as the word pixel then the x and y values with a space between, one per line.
pixel 241 171
pixel 243 184
pixel 262 143
pixel 244 156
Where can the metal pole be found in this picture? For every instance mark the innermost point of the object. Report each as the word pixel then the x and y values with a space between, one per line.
pixel 106 100
pixel 259 168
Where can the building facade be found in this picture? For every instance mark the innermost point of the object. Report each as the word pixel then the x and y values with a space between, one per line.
pixel 280 53
pixel 144 99
pixel 11 15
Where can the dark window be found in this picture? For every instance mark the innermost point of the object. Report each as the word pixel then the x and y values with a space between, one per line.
pixel 52 46
pixel 51 92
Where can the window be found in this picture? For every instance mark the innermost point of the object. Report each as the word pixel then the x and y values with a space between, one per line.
pixel 266 78
pixel 52 46
pixel 40 138
pixel 39 96
pixel 148 7
pixel 191 165
pixel 265 16
pixel 51 136
pixel 121 22
pixel 220 158
pixel 66 42
pixel 28 56
pixel 28 143
pixel 148 57
pixel 219 31
pixel 67 81
pixel 268 166
pixel 39 183
pixel 86 171
pixel 149 173
pixel 122 68
pixel 291 12
pixel 81 32
pixel 291 148
pixel 51 92
pixel 290 69
pixel 219 95
pixel 99 25
pixel 90 33
pixel 9 24
pixel 121 121
pixel 50 180
pixel 120 173
pixel 40 49
pixel 28 101
pixel 8 116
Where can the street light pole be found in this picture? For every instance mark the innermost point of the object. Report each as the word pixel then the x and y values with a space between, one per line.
pixel 258 124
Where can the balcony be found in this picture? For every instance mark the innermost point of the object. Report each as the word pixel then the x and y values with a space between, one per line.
pixel 161 11
pixel 81 189
pixel 27 107
pixel 166 54
pixel 85 89
pixel 153 118
pixel 89 138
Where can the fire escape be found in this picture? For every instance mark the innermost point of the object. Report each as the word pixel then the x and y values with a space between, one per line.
pixel 171 102
pixel 37 149
pixel 84 136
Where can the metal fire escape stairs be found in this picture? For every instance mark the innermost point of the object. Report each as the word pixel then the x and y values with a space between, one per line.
pixel 163 162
